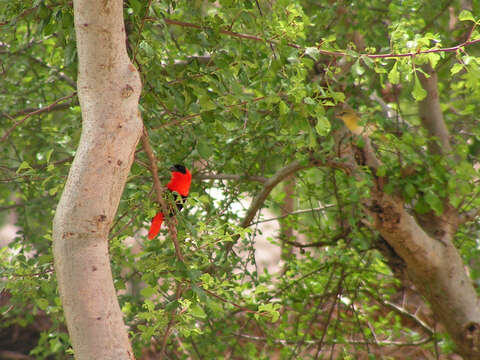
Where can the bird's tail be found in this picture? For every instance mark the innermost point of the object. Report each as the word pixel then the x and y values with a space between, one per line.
pixel 156 225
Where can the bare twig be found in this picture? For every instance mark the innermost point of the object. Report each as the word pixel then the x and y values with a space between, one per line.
pixel 242 308
pixel 260 179
pixel 29 110
pixel 401 311
pixel 36 112
pixel 293 213
pixel 468 42
pixel 336 342
pixel 58 72
pixel 331 241
pixel 178 294
pixel 192 116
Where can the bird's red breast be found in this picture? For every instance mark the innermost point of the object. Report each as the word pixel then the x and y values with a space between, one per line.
pixel 179 183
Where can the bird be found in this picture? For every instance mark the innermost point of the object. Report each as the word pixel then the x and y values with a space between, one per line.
pixel 351 120
pixel 179 186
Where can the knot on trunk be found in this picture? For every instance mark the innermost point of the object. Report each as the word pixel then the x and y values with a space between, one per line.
pixel 472 335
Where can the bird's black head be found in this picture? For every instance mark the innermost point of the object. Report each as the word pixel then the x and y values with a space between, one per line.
pixel 179 168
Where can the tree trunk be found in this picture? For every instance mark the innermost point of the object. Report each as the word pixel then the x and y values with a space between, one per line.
pixel 108 89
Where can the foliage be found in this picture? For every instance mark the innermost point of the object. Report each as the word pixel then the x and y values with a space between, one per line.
pixel 245 88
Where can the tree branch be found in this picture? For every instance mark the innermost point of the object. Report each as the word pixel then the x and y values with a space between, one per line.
pixel 159 191
pixel 36 112
pixel 336 342
pixel 432 262
pixel 468 216
pixel 58 72
pixel 293 213
pixel 401 311
pixel 268 186
pixel 331 241
pixel 431 113
pixel 221 176
pixel 322 51
pixel 26 111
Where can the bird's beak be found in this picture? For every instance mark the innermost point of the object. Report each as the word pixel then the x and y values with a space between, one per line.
pixel 172 168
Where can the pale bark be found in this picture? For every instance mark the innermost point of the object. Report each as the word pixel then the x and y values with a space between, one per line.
pixel 431 113
pixel 108 89
pixel 436 269
pixel 432 261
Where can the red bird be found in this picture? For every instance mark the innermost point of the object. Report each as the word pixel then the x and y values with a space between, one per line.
pixel 179 185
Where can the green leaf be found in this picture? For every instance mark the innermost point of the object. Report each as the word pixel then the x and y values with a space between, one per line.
pixel 204 149
pixel 435 202
pixel 42 303
pixel 382 170
pixel 206 103
pixel 419 93
pixel 466 15
pixel 357 68
pixel 172 305
pixel 147 292
pixel 48 156
pixel 434 58
pixel 260 289
pixel 197 311
pixel 456 68
pixel 283 108
pixel 394 75
pixel 410 190
pixel 24 165
pixel 309 101
pixel 202 296
pixel 323 125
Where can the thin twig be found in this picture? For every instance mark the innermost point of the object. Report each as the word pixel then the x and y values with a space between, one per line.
pixel 293 213
pixel 171 322
pixel 39 111
pixel 192 116
pixel 336 342
pixel 329 52
pixel 242 308
pixel 260 179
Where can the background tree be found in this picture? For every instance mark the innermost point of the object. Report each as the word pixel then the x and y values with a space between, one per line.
pixel 247 95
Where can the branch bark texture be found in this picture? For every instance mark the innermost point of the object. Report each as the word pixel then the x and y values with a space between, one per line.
pixel 431 113
pixel 432 261
pixel 108 89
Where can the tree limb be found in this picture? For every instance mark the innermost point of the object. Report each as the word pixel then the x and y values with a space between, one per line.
pixel 431 113
pixel 293 213
pixel 268 186
pixel 322 51
pixel 38 111
pixel 221 176
pixel 468 216
pixel 434 266
pixel 58 72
